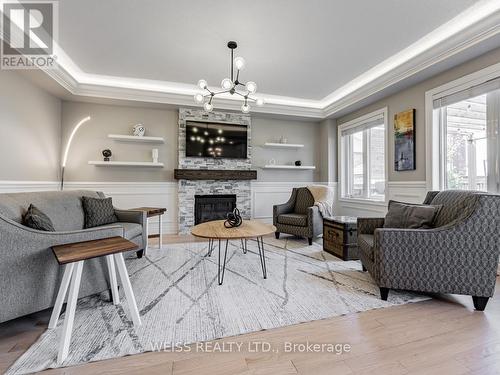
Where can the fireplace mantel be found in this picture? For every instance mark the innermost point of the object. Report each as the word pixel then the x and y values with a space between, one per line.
pixel 215 174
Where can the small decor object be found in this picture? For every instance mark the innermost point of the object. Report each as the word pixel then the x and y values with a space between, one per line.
pixel 298 163
pixel 139 130
pixel 233 219
pixel 154 155
pixel 107 154
pixel 404 141
pixel 231 85
pixel 283 140
pixel 272 161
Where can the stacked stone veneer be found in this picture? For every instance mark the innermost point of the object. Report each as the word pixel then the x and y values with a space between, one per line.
pixel 189 188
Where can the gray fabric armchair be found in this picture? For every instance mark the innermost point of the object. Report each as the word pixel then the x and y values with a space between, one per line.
pixel 29 274
pixel 460 255
pixel 298 216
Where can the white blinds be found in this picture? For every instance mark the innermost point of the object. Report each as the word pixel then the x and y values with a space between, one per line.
pixel 472 92
pixel 364 125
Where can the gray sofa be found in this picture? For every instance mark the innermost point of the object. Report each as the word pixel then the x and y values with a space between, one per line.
pixel 459 256
pixel 299 216
pixel 29 274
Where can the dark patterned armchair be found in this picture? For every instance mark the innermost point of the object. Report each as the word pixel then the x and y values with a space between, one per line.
pixel 460 255
pixel 299 216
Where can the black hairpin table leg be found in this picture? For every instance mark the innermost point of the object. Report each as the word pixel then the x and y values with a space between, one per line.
pixel 220 278
pixel 210 247
pixel 262 256
pixel 244 245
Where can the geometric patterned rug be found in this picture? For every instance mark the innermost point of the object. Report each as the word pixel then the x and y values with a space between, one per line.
pixel 180 301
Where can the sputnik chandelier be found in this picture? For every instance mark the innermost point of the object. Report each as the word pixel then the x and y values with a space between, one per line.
pixel 230 85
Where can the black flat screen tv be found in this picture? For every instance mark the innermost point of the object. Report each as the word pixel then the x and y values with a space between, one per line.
pixel 216 140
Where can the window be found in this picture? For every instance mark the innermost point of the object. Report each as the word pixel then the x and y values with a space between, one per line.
pixel 362 159
pixel 468 123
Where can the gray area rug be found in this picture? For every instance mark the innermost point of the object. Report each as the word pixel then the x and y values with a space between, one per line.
pixel 180 301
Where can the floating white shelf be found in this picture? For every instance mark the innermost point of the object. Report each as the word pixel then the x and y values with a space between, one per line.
pixel 270 166
pixel 282 145
pixel 143 164
pixel 133 138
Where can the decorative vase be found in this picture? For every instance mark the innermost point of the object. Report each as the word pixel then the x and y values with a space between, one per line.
pixel 298 163
pixel 233 219
pixel 139 130
pixel 154 155
pixel 107 154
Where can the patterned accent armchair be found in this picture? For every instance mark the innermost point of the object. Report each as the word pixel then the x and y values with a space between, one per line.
pixel 299 216
pixel 460 255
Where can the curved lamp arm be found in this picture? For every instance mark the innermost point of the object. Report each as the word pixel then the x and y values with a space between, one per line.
pixel 65 155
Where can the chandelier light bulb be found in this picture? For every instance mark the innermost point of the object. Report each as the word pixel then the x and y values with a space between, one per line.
pixel 227 84
pixel 202 84
pixel 251 87
pixel 239 62
pixel 259 102
pixel 198 98
pixel 245 108
pixel 208 107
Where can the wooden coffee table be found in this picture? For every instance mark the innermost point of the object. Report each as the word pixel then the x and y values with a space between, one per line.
pixel 73 256
pixel 215 230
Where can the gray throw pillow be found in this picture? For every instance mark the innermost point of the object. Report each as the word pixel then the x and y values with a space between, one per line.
pixel 36 219
pixel 98 211
pixel 410 216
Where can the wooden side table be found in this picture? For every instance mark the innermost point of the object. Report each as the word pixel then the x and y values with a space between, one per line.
pixel 152 212
pixel 73 256
pixel 340 236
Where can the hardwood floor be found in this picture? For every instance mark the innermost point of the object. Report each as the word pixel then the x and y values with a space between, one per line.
pixel 441 336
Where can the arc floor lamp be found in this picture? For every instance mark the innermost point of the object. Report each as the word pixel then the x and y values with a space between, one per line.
pixel 68 145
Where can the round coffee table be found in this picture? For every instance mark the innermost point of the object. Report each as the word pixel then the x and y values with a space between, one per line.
pixel 215 230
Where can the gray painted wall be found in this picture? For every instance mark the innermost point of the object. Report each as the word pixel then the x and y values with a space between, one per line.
pixel 91 139
pixel 270 130
pixel 30 128
pixel 328 150
pixel 414 97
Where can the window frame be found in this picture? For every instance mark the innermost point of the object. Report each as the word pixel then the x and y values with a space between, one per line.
pixel 343 164
pixel 435 143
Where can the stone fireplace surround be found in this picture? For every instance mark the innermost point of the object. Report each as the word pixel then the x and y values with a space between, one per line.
pixel 187 189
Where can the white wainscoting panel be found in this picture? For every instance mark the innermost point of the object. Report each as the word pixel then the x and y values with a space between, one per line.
pixel 264 196
pixel 267 194
pixel 135 194
pixel 407 191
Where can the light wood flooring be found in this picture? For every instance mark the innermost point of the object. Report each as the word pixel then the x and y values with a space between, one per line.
pixel 440 336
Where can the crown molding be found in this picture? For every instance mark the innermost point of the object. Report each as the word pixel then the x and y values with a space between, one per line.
pixel 475 25
pixel 457 43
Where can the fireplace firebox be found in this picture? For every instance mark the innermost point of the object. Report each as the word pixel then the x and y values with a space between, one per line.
pixel 213 207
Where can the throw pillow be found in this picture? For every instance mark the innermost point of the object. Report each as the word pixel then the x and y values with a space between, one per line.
pixel 410 216
pixel 98 211
pixel 36 219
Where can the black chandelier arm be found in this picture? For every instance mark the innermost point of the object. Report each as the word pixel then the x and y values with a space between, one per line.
pixel 210 92
pixel 221 92
pixel 246 96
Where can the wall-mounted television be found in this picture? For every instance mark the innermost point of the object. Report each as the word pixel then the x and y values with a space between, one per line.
pixel 216 140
